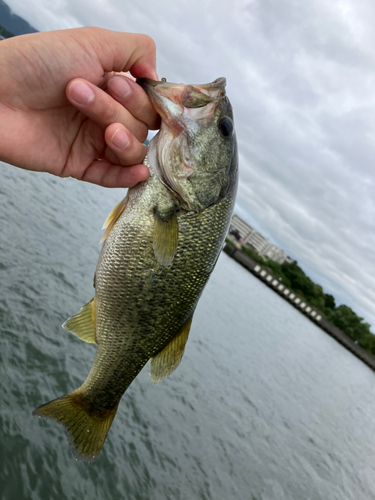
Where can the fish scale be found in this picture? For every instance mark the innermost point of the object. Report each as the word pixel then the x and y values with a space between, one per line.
pixel 123 350
pixel 164 305
pixel 160 247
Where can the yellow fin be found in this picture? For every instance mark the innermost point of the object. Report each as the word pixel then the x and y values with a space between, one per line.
pixel 86 427
pixel 167 360
pixel 165 236
pixel 82 324
pixel 113 217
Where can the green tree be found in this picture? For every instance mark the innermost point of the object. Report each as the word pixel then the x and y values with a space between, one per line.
pixel 329 301
pixel 253 254
pixel 346 319
pixel 368 343
pixel 343 316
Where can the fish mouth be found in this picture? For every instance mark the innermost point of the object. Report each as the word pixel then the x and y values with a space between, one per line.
pixel 181 96
pixel 216 84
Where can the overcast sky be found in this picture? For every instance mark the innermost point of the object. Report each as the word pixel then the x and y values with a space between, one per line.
pixel 301 80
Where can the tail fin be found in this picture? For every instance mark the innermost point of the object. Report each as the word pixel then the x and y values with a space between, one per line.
pixel 87 430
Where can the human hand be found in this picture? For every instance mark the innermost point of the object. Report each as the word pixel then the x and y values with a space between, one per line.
pixel 63 111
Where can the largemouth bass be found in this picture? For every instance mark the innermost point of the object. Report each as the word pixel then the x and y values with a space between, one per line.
pixel 161 245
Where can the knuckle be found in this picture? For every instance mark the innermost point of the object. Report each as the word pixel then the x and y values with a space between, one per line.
pixel 149 43
pixel 109 113
pixel 133 154
pixel 93 32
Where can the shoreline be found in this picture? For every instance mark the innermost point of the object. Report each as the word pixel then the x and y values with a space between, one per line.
pixel 311 313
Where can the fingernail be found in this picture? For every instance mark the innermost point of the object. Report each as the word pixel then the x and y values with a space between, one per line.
pixel 81 93
pixel 119 86
pixel 120 139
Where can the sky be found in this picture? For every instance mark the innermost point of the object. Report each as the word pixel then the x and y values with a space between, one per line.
pixel 301 79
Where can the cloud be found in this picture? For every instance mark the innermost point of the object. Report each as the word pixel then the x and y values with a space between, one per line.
pixel 301 79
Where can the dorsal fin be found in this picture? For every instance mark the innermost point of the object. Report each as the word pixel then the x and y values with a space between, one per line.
pixel 113 217
pixel 167 360
pixel 82 324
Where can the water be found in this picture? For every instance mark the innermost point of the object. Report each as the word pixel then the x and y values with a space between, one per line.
pixel 264 406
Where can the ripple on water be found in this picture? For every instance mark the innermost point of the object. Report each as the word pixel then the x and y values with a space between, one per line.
pixel 263 406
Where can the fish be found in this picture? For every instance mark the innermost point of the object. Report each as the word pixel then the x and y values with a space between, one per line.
pixel 161 244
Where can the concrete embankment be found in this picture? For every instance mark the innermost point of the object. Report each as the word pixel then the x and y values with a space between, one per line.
pixel 311 313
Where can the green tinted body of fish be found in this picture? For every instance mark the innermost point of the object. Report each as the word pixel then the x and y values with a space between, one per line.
pixel 160 247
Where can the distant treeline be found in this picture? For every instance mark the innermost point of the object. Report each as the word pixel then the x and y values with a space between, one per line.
pixel 342 316
pixel 5 33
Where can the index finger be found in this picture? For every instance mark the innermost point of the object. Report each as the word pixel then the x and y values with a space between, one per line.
pixel 131 52
pixel 134 99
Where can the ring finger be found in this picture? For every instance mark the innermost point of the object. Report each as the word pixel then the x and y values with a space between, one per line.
pixel 124 145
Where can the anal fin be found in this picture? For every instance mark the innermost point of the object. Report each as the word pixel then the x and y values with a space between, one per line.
pixel 167 360
pixel 82 324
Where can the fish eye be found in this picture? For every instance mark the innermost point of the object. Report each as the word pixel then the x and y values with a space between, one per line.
pixel 225 126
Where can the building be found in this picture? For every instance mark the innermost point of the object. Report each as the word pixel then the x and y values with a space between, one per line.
pixel 243 234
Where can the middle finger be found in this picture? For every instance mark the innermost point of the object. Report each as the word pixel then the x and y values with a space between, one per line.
pixel 102 108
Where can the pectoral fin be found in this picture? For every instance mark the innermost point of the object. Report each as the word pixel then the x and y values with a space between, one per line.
pixel 82 324
pixel 167 360
pixel 113 217
pixel 165 235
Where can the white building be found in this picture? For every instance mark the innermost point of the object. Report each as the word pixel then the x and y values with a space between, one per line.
pixel 250 237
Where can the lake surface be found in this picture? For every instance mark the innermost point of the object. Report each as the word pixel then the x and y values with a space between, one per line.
pixel 264 406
